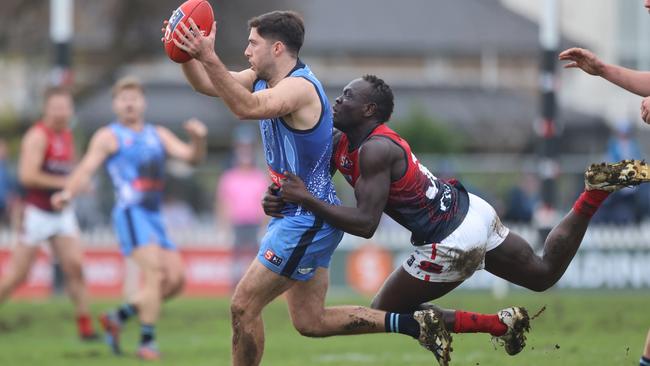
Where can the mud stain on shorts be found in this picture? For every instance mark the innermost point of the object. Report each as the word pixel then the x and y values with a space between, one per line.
pixel 466 262
pixel 498 227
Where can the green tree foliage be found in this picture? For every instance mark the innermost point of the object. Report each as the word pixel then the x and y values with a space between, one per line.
pixel 427 134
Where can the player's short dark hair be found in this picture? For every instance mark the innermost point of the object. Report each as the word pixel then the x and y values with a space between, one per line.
pixel 56 90
pixel 284 26
pixel 382 96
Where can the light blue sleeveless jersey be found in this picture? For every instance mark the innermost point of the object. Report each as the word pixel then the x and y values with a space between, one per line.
pixel 305 153
pixel 137 168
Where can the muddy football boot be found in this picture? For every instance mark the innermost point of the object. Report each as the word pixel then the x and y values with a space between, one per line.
pixel 433 335
pixel 518 323
pixel 614 176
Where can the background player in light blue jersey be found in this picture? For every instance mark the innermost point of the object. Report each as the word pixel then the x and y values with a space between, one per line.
pixel 296 126
pixel 134 153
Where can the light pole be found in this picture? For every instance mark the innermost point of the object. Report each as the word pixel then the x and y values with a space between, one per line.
pixel 547 128
pixel 61 28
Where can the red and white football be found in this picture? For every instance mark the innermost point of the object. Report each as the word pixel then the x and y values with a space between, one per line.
pixel 201 12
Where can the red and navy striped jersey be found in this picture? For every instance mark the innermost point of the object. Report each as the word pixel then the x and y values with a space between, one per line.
pixel 427 206
pixel 58 160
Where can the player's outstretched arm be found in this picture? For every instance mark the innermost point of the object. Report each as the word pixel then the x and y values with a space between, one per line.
pixel 371 191
pixel 32 153
pixel 286 97
pixel 198 78
pixel 102 145
pixel 194 152
pixel 637 82
pixel 200 81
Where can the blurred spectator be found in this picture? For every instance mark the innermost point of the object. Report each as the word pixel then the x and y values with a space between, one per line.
pixel 238 209
pixel 622 144
pixel 522 200
pixel 629 205
pixel 8 185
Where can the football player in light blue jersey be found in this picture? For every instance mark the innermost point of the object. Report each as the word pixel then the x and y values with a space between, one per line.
pixel 134 153
pixel 296 126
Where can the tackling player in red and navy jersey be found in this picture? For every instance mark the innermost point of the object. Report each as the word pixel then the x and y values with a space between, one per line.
pixel 454 232
pixel 430 208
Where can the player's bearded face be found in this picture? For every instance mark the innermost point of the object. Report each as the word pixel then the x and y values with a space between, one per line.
pixel 129 105
pixel 59 109
pixel 260 55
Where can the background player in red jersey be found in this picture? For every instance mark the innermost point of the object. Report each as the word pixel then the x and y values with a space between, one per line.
pixel 46 158
pixel 454 232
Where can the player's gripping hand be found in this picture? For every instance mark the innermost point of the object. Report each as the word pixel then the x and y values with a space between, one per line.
pixel 60 200
pixel 272 203
pixel 293 189
pixel 195 128
pixel 583 59
pixel 645 110
pixel 163 30
pixel 195 43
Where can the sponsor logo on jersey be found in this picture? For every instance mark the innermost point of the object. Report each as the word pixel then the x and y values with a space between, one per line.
pixel 276 177
pixel 345 162
pixel 60 167
pixel 445 201
pixel 411 260
pixel 271 257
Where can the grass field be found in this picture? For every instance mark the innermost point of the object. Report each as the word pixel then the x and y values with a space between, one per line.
pixel 577 328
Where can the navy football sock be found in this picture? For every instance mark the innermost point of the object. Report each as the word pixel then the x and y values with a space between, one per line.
pixel 125 311
pixel 402 323
pixel 147 333
pixel 644 361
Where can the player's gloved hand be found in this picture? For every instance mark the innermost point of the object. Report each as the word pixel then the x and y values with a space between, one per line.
pixel 583 59
pixel 272 203
pixel 60 199
pixel 293 189
pixel 645 110
pixel 195 128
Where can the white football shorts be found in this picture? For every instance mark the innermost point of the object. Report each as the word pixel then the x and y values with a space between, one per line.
pixel 40 225
pixel 462 253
